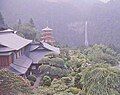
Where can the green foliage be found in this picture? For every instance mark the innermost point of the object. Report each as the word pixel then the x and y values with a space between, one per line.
pixel 73 73
pixel 64 54
pixel 46 81
pixel 67 80
pixel 74 90
pixel 31 22
pixel 101 54
pixel 58 62
pixel 58 85
pixel 110 59
pixel 77 82
pixel 101 79
pixel 81 93
pixel 54 67
pixel 63 93
pixel 28 30
pixel 11 84
pixel 44 60
pixel 44 90
pixel 52 55
pixel 56 72
pixel 76 62
pixel 32 83
pixel 20 34
pixel 31 78
pixel 87 77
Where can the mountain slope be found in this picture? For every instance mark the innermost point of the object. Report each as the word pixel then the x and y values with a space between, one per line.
pixel 68 18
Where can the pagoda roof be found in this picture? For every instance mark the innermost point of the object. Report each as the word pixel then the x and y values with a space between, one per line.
pixel 47 37
pixel 47 29
pixel 46 33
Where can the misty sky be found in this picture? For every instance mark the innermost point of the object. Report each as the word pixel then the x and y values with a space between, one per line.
pixel 18 9
pixel 69 0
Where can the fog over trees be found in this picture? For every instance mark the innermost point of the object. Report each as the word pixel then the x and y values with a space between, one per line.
pixel 68 19
pixel 83 59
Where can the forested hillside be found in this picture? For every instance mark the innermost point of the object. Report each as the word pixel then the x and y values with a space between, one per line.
pixel 68 18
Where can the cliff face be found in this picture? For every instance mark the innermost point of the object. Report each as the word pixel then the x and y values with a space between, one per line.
pixel 68 18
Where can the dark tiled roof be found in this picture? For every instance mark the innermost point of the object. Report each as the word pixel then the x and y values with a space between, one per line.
pixel 11 69
pixel 52 48
pixel 36 56
pixel 13 41
pixel 21 65
pixel 5 49
pixel 33 47
pixel 5 53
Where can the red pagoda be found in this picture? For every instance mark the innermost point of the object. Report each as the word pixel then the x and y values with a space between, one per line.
pixel 47 36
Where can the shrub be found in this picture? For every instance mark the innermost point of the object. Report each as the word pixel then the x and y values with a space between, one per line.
pixel 77 82
pixel 73 73
pixel 51 55
pixel 31 78
pixel 12 84
pixel 58 85
pixel 101 79
pixel 55 72
pixel 81 93
pixel 32 83
pixel 74 90
pixel 58 62
pixel 44 60
pixel 46 81
pixel 67 80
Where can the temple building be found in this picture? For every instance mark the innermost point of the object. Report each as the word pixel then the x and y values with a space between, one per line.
pixel 12 47
pixel 47 36
pixel 20 55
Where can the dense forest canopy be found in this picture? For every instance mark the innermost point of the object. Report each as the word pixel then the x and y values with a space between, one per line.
pixel 85 71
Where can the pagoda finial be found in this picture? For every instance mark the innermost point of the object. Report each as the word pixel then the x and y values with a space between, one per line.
pixel 47 29
pixel 47 23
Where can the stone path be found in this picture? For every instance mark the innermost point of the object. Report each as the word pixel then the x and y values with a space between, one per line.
pixel 38 81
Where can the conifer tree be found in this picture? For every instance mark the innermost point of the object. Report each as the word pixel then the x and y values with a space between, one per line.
pixel 2 24
pixel 31 22
pixel 19 22
pixel 19 25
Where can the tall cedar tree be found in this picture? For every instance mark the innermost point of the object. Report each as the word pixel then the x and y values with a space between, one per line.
pixel 19 22
pixel 31 22
pixel 2 24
